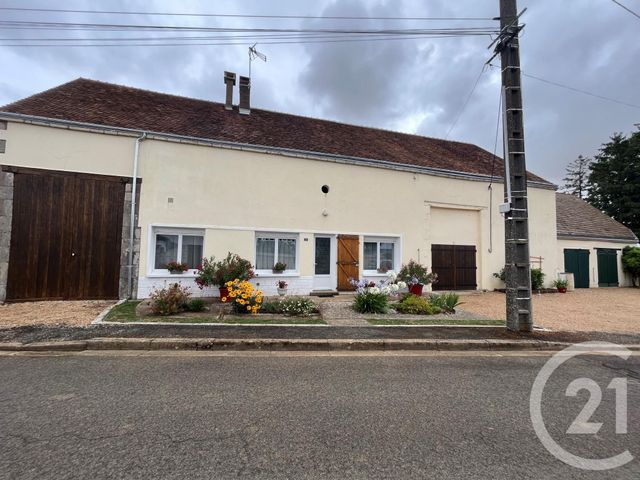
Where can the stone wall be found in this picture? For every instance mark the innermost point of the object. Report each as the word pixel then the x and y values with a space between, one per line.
pixel 6 212
pixel 123 288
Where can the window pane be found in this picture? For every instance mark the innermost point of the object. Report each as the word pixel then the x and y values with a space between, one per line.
pixel 370 256
pixel 386 256
pixel 323 256
pixel 287 252
pixel 166 250
pixel 191 250
pixel 265 253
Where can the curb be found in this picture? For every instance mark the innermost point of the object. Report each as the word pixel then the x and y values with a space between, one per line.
pixel 278 344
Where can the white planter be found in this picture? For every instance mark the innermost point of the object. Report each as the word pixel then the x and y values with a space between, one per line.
pixel 282 291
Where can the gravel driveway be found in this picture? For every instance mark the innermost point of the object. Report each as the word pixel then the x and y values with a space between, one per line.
pixel 596 309
pixel 51 313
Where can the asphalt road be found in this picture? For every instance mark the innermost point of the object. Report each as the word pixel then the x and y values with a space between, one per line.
pixel 210 416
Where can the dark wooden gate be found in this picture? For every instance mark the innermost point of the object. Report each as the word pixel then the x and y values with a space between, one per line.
pixel 607 267
pixel 348 254
pixel 455 266
pixel 66 236
pixel 576 261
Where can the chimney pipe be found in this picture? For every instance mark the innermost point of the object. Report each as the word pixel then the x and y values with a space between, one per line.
pixel 229 81
pixel 245 90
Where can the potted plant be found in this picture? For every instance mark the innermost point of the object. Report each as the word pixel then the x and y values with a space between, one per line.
pixel 279 267
pixel 282 287
pixel 416 276
pixel 176 268
pixel 233 267
pixel 561 285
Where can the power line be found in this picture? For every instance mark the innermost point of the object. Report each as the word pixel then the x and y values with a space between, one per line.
pixel 574 89
pixel 234 15
pixel 464 105
pixel 626 8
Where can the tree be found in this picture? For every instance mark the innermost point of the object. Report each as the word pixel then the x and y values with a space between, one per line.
pixel 631 262
pixel 614 182
pixel 577 177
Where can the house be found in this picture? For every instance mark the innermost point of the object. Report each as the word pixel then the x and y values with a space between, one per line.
pixel 103 184
pixel 590 243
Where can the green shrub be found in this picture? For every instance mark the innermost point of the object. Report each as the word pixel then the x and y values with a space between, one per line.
pixel 560 283
pixel 631 263
pixel 368 302
pixel 297 306
pixel 447 302
pixel 537 279
pixel 169 300
pixel 196 305
pixel 271 306
pixel 414 305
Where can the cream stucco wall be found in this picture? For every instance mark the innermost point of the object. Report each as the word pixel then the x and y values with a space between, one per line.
pixel 231 194
pixel 592 246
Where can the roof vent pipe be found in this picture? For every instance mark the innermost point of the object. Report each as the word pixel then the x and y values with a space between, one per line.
pixel 245 90
pixel 229 81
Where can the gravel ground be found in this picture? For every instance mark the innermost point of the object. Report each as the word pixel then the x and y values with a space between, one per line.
pixel 596 309
pixel 76 313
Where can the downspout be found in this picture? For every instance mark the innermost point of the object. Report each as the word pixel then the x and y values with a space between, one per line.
pixel 132 228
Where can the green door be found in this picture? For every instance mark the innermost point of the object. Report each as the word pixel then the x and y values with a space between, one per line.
pixel 576 261
pixel 607 267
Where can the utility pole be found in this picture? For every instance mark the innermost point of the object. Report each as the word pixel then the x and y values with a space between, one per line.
pixel 517 266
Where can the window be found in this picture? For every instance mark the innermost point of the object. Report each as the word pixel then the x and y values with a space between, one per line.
pixel 184 246
pixel 379 255
pixel 274 248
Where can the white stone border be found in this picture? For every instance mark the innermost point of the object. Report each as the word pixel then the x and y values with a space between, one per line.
pixel 100 318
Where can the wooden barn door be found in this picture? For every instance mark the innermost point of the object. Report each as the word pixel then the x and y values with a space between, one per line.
pixel 65 236
pixel 348 263
pixel 455 266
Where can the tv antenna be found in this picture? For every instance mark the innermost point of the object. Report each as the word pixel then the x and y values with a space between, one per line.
pixel 253 54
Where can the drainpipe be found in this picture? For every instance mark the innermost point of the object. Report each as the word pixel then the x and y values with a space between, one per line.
pixel 132 229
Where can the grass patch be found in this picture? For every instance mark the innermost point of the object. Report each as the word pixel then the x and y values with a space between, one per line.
pixel 125 312
pixel 433 321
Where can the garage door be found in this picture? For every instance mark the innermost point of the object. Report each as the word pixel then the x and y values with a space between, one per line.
pixel 576 261
pixel 607 267
pixel 455 266
pixel 66 236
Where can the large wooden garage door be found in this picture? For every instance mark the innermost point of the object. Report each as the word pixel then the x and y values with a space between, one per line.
pixel 65 236
pixel 607 267
pixel 576 261
pixel 455 266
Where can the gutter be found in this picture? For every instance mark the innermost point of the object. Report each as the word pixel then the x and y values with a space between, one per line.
pixel 289 152
pixel 132 227
pixel 628 241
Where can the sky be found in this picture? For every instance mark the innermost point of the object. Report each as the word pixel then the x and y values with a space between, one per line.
pixel 415 86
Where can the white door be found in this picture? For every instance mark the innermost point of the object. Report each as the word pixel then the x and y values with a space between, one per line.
pixel 324 277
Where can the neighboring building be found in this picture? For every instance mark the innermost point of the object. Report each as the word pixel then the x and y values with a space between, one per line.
pixel 330 200
pixel 590 243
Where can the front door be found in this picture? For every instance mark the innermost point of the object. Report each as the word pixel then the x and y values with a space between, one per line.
pixel 607 267
pixel 324 275
pixel 576 261
pixel 348 261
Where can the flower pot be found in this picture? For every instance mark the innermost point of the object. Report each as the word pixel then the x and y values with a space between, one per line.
pixel 176 272
pixel 416 289
pixel 277 271
pixel 282 291
pixel 224 292
pixel 562 289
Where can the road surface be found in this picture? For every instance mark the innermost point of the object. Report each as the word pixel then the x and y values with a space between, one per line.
pixel 201 415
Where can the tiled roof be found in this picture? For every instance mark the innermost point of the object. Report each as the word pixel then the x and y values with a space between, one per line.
pixel 90 101
pixel 577 218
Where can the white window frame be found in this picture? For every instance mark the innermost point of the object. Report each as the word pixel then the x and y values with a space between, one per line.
pixel 276 236
pixel 173 231
pixel 378 241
